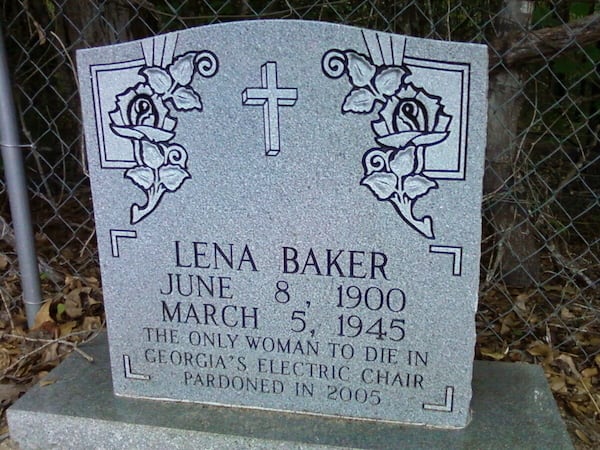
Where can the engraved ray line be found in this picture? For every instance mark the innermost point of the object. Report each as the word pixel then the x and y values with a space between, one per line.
pixel 380 48
pixel 367 45
pixel 143 52
pixel 154 50
pixel 397 47
pixel 169 50
pixel 403 51
pixel 144 46
pixel 162 53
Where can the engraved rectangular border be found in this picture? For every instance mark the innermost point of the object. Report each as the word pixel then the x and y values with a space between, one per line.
pixel 99 114
pixel 464 69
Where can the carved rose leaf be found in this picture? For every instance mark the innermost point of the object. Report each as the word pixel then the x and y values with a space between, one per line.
pixel 380 128
pixel 155 134
pixel 142 176
pixel 172 177
pixel 152 156
pixel 403 162
pixel 143 132
pixel 399 140
pixel 185 99
pixel 417 185
pixel 183 69
pixel 359 101
pixel 158 78
pixel 127 132
pixel 383 184
pixel 360 69
pixel 389 80
pixel 430 138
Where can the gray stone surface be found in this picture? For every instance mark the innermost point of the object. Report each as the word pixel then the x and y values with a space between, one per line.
pixel 512 409
pixel 288 217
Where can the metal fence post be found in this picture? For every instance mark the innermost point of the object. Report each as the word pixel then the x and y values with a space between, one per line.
pixel 17 194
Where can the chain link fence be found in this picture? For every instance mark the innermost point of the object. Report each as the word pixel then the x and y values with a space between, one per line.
pixel 539 294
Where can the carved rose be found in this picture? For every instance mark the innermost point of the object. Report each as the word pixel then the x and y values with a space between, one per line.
pixel 142 117
pixel 141 114
pixel 409 120
pixel 411 116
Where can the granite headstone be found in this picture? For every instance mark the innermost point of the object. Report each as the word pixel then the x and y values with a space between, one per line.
pixel 288 217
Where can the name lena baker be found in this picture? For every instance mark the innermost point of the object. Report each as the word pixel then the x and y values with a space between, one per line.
pixel 328 262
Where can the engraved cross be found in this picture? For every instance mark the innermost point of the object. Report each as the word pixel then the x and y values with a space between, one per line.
pixel 271 97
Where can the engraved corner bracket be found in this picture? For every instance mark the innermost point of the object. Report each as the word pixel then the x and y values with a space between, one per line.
pixel 129 373
pixel 447 406
pixel 455 252
pixel 115 236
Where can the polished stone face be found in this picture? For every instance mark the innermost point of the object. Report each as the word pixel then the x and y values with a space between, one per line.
pixel 288 217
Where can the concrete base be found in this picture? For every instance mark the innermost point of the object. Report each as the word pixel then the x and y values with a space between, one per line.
pixel 512 408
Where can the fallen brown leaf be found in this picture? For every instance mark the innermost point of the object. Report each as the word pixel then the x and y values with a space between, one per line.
pixel 589 372
pixel 43 315
pixel 3 261
pixel 494 354
pixel 581 435
pixel 11 391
